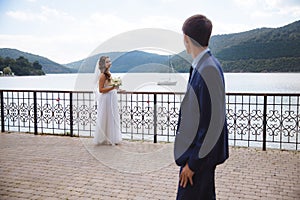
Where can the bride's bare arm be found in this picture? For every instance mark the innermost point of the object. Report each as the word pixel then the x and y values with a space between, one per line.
pixel 102 89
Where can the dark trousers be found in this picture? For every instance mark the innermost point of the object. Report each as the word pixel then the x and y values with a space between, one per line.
pixel 203 186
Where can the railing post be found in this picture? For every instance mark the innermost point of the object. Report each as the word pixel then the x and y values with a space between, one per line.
pixel 155 118
pixel 265 123
pixel 71 114
pixel 2 112
pixel 35 113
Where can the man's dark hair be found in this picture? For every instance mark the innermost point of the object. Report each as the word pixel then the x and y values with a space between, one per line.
pixel 198 28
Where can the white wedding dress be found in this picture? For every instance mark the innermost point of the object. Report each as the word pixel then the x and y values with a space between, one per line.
pixel 107 129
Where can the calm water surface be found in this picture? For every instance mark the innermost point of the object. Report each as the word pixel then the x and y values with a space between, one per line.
pixel 235 82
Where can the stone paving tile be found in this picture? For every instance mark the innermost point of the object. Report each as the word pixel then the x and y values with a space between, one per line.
pixel 54 167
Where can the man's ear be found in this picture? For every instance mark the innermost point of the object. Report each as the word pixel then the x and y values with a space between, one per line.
pixel 186 39
pixel 187 43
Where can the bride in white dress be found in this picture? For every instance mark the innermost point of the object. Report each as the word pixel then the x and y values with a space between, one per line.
pixel 108 119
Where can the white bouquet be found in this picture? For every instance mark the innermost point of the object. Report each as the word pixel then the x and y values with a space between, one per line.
pixel 116 82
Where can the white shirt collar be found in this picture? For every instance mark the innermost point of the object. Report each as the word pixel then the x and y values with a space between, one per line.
pixel 198 57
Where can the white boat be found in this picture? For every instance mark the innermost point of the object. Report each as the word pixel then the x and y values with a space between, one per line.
pixel 169 81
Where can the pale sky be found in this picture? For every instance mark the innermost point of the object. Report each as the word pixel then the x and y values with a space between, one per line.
pixel 69 30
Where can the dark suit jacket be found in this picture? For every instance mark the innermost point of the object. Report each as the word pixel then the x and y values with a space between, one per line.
pixel 202 135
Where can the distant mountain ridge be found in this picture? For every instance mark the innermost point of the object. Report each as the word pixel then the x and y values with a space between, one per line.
pixel 134 61
pixel 258 50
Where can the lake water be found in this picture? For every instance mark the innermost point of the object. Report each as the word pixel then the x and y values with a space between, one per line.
pixel 235 82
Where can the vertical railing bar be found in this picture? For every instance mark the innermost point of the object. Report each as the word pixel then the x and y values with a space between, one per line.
pixel 41 101
pixel 42 113
pixel 77 113
pixel 83 104
pixel 168 113
pixel 24 99
pixel 264 123
pixel 289 106
pixel 249 120
pixel 2 112
pixel 242 138
pixel 120 103
pixel 28 102
pixel 143 117
pixel 131 115
pixel 258 107
pixel 155 118
pixel 18 111
pixel 46 124
pixel 71 114
pixel 56 125
pixel 274 109
pixel 297 122
pixel 10 113
pixel 53 113
pixel 290 102
pixel 150 131
pixel 90 114
pixel 126 105
pixel 282 129
pixel 235 117
pixel 136 103
pixel 35 113
pixel 92 103
pixel 170 126
pixel 64 114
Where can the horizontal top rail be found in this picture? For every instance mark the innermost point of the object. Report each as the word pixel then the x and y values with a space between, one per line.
pixel 179 93
pixel 263 94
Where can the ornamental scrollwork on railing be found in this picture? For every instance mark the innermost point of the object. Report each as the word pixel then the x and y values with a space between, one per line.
pixel 47 113
pixel 283 119
pixel 250 117
pixel 13 112
pixel 24 112
pixel 274 122
pixel 125 116
pixel 59 114
pixel 284 124
pixel 256 122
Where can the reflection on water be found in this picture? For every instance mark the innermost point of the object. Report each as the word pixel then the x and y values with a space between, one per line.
pixel 263 82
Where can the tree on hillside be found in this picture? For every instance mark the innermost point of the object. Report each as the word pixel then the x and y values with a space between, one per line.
pixel 21 61
pixel 36 65
pixel 7 71
pixel 21 66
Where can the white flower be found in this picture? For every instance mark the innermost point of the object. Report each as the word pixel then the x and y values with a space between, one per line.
pixel 116 81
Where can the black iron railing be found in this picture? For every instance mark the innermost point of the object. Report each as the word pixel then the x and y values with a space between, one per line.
pixel 254 119
pixel 267 120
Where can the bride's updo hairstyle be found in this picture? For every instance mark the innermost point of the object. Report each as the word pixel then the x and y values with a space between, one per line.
pixel 102 67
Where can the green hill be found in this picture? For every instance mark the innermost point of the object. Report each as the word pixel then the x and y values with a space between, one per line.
pixel 260 50
pixel 48 66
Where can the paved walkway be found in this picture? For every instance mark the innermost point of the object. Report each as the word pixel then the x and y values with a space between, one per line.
pixel 54 167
